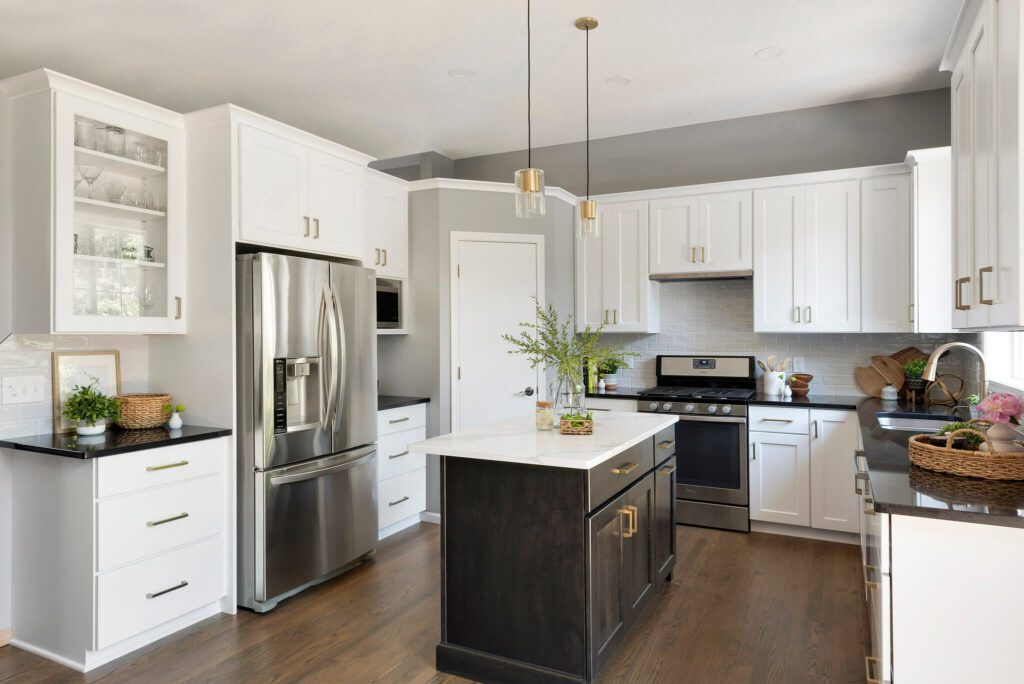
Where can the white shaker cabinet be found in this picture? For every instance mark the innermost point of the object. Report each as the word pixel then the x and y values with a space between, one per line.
pixel 612 273
pixel 675 236
pixel 273 190
pixel 932 243
pixel 886 241
pixel 701 234
pixel 387 243
pixel 834 503
pixel 779 481
pixel 807 258
pixel 336 204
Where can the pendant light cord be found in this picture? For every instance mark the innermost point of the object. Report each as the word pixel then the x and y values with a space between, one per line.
pixel 588 112
pixel 529 83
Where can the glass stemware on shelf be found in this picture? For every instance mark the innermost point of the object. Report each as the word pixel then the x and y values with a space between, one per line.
pixel 114 190
pixel 89 175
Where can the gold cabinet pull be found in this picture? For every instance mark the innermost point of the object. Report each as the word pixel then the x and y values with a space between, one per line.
pixel 666 470
pixel 615 316
pixel 666 444
pixel 153 469
pixel 868 662
pixel 305 226
pixel 776 420
pixel 155 523
pixel 960 306
pixel 703 253
pixel 633 519
pixel 398 455
pixel 796 310
pixel 176 587
pixel 625 468
pixel 693 255
pixel 981 285
pixel 606 316
pixel 395 503
pixel 628 532
pixel 869 511
pixel 808 314
pixel 316 228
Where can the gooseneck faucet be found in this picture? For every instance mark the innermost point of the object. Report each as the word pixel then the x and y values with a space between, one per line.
pixel 932 367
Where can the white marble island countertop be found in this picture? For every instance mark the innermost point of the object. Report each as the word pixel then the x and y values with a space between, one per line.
pixel 517 440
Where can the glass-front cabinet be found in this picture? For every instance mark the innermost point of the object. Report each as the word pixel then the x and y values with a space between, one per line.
pixel 118 238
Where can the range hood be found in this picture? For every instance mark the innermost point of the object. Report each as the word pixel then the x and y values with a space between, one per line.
pixel 697 275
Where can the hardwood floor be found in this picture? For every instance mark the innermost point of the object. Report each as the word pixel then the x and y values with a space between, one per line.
pixel 741 608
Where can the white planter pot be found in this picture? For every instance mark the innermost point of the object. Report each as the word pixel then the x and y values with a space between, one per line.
pixel 610 381
pixel 174 422
pixel 85 429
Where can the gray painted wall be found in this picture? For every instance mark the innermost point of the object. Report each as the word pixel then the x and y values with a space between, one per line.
pixel 846 135
pixel 419 363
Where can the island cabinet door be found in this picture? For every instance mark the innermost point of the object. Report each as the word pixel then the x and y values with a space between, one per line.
pixel 664 519
pixel 606 529
pixel 637 550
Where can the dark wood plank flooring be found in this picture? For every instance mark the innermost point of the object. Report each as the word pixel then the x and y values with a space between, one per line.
pixel 741 608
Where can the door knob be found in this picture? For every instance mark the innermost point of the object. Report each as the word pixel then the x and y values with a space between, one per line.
pixel 528 391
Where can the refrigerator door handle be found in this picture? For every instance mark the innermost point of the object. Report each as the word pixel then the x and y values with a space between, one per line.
pixel 320 320
pixel 340 358
pixel 320 472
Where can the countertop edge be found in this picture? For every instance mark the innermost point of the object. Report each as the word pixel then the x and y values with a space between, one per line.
pixel 950 515
pixel 215 433
pixel 394 401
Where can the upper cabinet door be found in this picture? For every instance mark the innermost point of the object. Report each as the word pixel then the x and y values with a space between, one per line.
pixel 779 259
pixel 832 257
pixel 674 236
pixel 981 62
pixel 590 306
pixel 625 267
pixel 963 156
pixel 726 233
pixel 387 243
pixel 886 243
pixel 335 205
pixel 273 187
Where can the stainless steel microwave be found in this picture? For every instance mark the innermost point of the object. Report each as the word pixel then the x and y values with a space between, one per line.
pixel 389 304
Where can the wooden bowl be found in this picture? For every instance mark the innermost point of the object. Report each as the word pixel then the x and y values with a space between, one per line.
pixel 799 383
pixel 802 377
pixel 800 391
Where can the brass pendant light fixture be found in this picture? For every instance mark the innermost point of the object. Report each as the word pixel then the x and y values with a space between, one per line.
pixel 588 224
pixel 529 181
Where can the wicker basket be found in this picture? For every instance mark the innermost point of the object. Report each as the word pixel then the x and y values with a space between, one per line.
pixel 988 465
pixel 576 427
pixel 142 411
pixel 961 491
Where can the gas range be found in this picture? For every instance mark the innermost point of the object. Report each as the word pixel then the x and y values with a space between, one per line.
pixel 701 385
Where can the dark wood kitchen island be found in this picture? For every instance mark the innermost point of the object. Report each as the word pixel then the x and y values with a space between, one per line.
pixel 552 546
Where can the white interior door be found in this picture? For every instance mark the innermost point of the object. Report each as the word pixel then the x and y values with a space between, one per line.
pixel 497 281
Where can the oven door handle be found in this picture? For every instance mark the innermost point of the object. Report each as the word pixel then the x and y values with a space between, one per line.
pixel 712 419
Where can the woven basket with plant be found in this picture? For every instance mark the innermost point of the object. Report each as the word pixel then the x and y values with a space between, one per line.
pixel 142 411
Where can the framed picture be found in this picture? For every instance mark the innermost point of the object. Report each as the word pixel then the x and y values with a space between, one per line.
pixel 81 369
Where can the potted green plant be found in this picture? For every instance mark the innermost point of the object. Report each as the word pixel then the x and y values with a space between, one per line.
pixel 972 404
pixel 609 370
pixel 556 346
pixel 968 440
pixel 91 409
pixel 174 411
pixel 912 371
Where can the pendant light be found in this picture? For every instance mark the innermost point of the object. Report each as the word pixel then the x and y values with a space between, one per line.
pixel 529 181
pixel 588 224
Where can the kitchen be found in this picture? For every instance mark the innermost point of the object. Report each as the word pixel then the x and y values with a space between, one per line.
pixel 318 290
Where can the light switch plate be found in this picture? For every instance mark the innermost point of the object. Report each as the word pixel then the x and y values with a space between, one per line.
pixel 22 389
pixel 798 365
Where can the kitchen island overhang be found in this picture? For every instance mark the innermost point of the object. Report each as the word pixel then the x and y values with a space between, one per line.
pixel 552 546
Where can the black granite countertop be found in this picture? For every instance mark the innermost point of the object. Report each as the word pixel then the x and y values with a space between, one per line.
pixel 824 401
pixel 113 441
pixel 623 393
pixel 901 488
pixel 390 401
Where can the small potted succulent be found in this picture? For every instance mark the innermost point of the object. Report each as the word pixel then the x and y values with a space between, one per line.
pixel 90 409
pixel 174 412
pixel 610 371
pixel 912 371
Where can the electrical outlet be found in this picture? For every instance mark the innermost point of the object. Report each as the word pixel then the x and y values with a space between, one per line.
pixel 22 389
pixel 797 366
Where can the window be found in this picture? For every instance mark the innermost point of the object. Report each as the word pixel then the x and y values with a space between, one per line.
pixel 1004 356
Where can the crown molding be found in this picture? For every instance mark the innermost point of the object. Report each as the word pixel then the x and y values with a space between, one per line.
pixel 485 186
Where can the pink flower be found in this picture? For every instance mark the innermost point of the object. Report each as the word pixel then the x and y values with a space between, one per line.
pixel 1001 407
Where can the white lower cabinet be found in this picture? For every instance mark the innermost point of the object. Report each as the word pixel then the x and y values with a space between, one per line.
pixel 401 474
pixel 799 467
pixel 139 547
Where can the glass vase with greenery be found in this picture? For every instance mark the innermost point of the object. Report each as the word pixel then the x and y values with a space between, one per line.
pixel 555 345
pixel 90 408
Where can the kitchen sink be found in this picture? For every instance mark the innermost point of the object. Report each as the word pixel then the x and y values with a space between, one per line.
pixel 914 422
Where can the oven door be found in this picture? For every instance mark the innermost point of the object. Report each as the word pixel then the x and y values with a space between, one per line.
pixel 712 459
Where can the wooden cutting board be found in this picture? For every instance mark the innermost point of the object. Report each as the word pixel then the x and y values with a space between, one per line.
pixel 909 354
pixel 870 381
pixel 890 369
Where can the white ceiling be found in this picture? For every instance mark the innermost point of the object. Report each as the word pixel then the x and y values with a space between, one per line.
pixel 374 74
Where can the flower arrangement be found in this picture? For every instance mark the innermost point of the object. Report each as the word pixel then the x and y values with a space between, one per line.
pixel 1001 407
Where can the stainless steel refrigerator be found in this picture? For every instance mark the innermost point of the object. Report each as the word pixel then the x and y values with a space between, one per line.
pixel 307 426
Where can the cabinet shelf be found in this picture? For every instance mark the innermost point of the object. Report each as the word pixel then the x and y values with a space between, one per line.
pixel 115 164
pixel 115 210
pixel 140 263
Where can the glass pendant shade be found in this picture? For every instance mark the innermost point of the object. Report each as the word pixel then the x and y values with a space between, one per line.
pixel 529 193
pixel 589 223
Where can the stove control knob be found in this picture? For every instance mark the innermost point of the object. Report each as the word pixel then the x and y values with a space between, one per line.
pixel 653 406
pixel 727 410
pixel 667 406
pixel 689 408
pixel 712 409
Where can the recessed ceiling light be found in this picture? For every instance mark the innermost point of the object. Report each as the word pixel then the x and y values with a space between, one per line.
pixel 618 81
pixel 768 52
pixel 461 72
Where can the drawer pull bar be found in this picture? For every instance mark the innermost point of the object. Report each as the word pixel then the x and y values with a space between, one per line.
pixel 168 590
pixel 776 420
pixel 398 420
pixel 868 662
pixel 627 511
pixel 667 470
pixel 395 503
pixel 399 454
pixel 153 469
pixel 668 443
pixel 154 523
pixel 869 511
pixel 625 469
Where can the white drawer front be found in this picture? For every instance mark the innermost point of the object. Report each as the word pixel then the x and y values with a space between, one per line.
pixel 398 419
pixel 402 496
pixel 774 419
pixel 393 457
pixel 140 524
pixel 141 469
pixel 130 600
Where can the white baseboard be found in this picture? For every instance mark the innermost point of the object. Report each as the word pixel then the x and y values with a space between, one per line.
pixel 5 636
pixel 398 526
pixel 49 655
pixel 431 517
pixel 805 532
